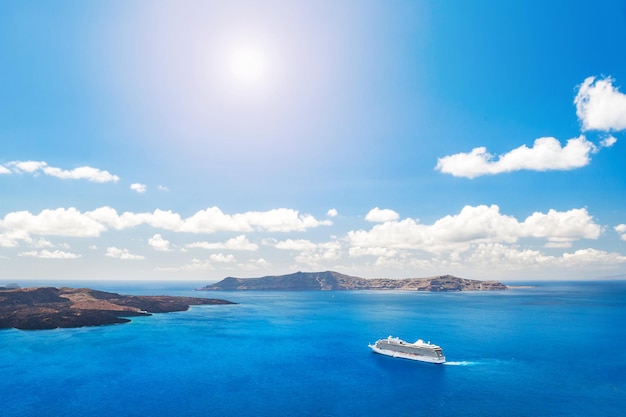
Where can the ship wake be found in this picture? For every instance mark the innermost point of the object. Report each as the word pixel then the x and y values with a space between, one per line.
pixel 461 363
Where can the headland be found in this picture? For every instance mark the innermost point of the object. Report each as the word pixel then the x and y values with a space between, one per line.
pixel 49 308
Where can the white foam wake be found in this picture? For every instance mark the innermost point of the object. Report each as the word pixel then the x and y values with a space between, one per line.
pixel 460 363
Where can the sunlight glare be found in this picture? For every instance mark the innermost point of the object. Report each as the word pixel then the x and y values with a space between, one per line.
pixel 249 65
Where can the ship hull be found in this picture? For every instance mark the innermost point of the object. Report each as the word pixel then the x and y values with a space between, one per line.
pixel 406 355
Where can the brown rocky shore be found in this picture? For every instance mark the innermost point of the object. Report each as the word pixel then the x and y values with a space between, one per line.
pixel 48 307
pixel 330 280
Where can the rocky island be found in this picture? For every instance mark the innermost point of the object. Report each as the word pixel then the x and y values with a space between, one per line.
pixel 48 307
pixel 329 280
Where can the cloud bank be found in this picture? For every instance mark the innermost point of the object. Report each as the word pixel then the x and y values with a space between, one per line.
pixel 72 223
pixel 474 239
pixel 473 225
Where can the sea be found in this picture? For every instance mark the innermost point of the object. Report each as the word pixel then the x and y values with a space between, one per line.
pixel 553 349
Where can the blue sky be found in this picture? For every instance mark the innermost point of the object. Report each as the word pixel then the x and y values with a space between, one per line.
pixel 194 140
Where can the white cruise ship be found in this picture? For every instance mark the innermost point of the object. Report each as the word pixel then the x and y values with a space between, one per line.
pixel 418 351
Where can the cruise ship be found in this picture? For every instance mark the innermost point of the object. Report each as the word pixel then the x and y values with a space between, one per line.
pixel 418 351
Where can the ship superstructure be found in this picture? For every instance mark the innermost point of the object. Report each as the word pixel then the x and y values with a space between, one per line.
pixel 417 351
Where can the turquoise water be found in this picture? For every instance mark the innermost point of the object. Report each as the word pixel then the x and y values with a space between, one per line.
pixel 552 350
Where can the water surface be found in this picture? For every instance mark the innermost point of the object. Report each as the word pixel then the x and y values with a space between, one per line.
pixel 556 349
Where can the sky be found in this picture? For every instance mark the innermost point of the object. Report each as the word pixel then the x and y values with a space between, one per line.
pixel 194 140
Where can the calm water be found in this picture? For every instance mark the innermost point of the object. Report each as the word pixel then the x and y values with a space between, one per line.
pixel 552 350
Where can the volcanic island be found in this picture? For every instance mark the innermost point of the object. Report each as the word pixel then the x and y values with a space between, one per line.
pixel 43 308
pixel 334 281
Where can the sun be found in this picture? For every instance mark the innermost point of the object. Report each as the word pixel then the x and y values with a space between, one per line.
pixel 248 65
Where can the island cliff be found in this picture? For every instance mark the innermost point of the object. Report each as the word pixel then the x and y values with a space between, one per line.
pixel 329 280
pixel 48 308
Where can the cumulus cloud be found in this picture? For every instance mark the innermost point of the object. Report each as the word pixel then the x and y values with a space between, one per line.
pixel 158 218
pixel 621 229
pixel 377 215
pixel 253 265
pixel 608 142
pixel 140 188
pixel 512 257
pixel 159 243
pixel 473 225
pixel 162 188
pixel 46 254
pixel 71 222
pixel 58 222
pixel 600 105
pixel 221 258
pixel 124 254
pixel 214 220
pixel 477 239
pixel 332 213
pixel 310 253
pixel 545 154
pixel 12 238
pixel 240 242
pixel 590 256
pixel 85 172
pixel 28 166
pixel 296 245
pixel 4 170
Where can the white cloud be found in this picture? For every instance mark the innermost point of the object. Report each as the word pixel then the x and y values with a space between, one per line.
pixel 240 242
pixel 28 166
pixel 159 218
pixel 71 222
pixel 214 220
pixel 162 188
pixel 58 222
pixel 332 213
pixel 377 215
pixel 559 226
pixel 511 257
pixel 12 238
pixel 600 105
pixel 4 170
pixel 296 245
pixel 158 243
pixel 546 154
pixel 254 265
pixel 84 172
pixel 481 241
pixel 608 142
pixel 310 253
pixel 221 258
pixel 621 229
pixel 46 254
pixel 473 225
pixel 87 173
pixel 43 243
pixel 140 188
pixel 587 257
pixel 124 254
pixel 511 260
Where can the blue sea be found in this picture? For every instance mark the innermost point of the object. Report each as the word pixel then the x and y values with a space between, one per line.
pixel 557 349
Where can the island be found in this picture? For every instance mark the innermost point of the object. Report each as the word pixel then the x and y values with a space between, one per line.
pixel 49 308
pixel 330 280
